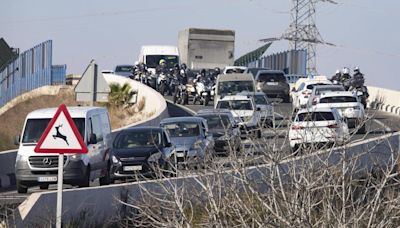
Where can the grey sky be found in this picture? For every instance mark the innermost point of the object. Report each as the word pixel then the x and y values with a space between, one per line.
pixel 111 32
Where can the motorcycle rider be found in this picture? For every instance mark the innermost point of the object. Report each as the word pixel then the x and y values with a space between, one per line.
pixel 162 67
pixel 358 78
pixel 215 74
pixel 336 77
pixel 345 78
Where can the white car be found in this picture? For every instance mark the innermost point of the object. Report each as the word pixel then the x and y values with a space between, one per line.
pixel 317 126
pixel 262 102
pixel 348 106
pixel 318 90
pixel 301 95
pixel 245 112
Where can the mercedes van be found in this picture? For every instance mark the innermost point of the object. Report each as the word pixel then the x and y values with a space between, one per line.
pixel 152 54
pixel 41 169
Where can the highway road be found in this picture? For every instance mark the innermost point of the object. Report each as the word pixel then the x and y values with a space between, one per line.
pixel 272 144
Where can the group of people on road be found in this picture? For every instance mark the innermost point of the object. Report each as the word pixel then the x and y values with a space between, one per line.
pixel 347 80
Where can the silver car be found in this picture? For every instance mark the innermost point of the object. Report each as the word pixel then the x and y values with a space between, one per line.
pixel 193 143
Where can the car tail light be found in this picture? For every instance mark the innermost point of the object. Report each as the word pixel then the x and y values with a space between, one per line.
pixel 297 127
pixel 333 126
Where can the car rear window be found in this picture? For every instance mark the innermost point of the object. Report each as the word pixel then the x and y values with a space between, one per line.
pixel 330 89
pixel 138 139
pixel 271 77
pixel 338 99
pixel 311 86
pixel 315 116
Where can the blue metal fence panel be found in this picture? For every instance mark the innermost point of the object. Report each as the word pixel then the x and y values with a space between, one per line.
pixel 32 69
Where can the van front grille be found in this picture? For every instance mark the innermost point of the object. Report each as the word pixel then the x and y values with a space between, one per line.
pixel 45 161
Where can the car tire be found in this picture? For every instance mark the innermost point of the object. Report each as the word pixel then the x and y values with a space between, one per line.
pixel 361 130
pixel 44 186
pixel 106 179
pixel 86 181
pixel 21 188
pixel 259 134
pixel 296 150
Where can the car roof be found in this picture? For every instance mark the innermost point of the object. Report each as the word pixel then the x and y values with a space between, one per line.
pixel 150 128
pixel 74 111
pixel 235 77
pixel 182 119
pixel 212 111
pixel 328 86
pixel 316 81
pixel 270 71
pixel 315 109
pixel 337 94
pixel 234 97
pixel 248 93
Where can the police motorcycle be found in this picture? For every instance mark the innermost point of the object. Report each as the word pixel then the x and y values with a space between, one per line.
pixel 203 91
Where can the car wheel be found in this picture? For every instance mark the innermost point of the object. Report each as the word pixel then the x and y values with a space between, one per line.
pixel 361 130
pixel 106 180
pixel 21 188
pixel 296 150
pixel 259 134
pixel 86 181
pixel 44 186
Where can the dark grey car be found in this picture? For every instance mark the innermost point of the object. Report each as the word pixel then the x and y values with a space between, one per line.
pixel 224 129
pixel 274 84
pixel 124 70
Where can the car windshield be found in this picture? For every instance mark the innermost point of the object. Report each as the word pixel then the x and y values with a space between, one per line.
pixel 217 121
pixel 328 89
pixel 152 61
pixel 235 105
pixel 124 69
pixel 138 139
pixel 182 129
pixel 234 87
pixel 260 100
pixel 34 128
pixel 315 116
pixel 338 99
pixel 271 77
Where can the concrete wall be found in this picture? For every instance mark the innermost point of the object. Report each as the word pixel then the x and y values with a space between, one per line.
pixel 384 99
pixel 7 160
pixel 103 202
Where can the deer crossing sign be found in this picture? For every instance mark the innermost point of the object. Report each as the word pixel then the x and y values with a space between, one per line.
pixel 61 135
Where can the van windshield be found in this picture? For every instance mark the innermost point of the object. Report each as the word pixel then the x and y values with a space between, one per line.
pixel 152 61
pixel 234 87
pixel 235 105
pixel 35 127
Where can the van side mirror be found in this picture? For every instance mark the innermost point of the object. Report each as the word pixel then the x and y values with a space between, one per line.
pixel 17 139
pixel 92 139
pixel 258 109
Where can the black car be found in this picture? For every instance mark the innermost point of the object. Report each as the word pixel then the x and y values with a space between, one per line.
pixel 140 151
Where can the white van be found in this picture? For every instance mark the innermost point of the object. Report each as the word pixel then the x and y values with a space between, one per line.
pixel 33 168
pixel 152 54
pixel 232 84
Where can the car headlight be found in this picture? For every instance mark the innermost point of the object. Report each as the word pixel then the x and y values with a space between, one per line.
pixel 196 145
pixel 75 157
pixel 247 118
pixel 114 159
pixel 21 158
pixel 155 157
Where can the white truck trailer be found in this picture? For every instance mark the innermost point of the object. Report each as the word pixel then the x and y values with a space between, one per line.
pixel 206 48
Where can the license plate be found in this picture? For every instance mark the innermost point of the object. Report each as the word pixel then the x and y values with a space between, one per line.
pixel 180 155
pixel 272 83
pixel 205 93
pixel 133 168
pixel 47 179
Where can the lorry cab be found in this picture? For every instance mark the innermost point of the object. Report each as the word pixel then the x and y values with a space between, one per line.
pixel 41 169
pixel 152 54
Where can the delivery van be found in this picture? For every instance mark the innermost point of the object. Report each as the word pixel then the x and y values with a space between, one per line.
pixel 41 169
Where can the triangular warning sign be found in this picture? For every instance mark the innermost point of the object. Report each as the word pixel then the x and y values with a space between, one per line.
pixel 61 135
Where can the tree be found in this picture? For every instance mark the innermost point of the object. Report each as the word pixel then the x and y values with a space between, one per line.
pixel 120 95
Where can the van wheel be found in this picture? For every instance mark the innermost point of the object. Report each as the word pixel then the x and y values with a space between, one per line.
pixel 86 181
pixel 105 180
pixel 44 186
pixel 21 188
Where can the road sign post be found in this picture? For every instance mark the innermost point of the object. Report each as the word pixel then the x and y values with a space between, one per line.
pixel 61 136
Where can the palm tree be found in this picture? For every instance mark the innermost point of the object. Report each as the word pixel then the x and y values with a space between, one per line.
pixel 120 95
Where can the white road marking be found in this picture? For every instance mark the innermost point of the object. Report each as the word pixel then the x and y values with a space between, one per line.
pixel 387 128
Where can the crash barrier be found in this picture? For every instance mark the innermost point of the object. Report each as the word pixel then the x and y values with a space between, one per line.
pixel 101 203
pixel 384 99
pixel 155 106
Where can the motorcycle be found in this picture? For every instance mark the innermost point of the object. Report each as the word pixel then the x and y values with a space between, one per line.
pixel 181 95
pixel 173 84
pixel 162 83
pixel 362 94
pixel 203 92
